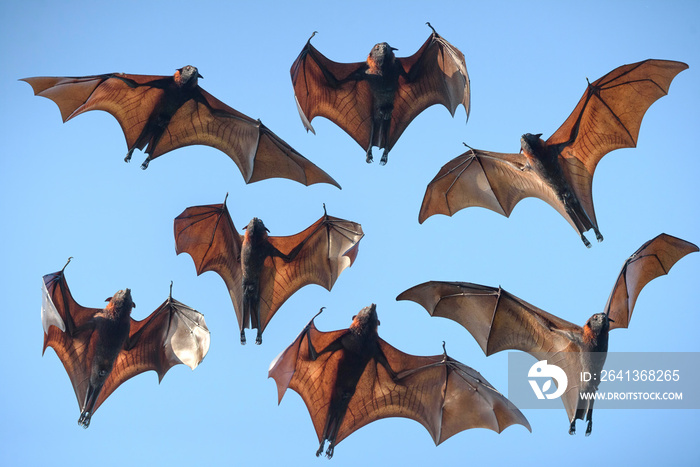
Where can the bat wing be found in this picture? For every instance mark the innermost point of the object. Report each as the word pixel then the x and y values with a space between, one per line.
pixel 333 90
pixel 257 151
pixel 436 74
pixel 498 321
pixel 608 117
pixel 325 249
pixel 492 180
pixel 653 259
pixel 200 119
pixel 173 334
pixel 67 330
pixel 208 235
pixel 109 92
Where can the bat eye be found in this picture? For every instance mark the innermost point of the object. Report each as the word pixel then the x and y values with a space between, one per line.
pixel 102 373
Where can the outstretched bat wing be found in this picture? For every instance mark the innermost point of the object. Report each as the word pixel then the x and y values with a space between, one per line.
pixel 67 329
pixel 435 74
pixel 208 235
pixel 174 333
pixel 153 111
pixel 499 321
pixel 608 117
pixel 333 90
pixel 653 259
pixel 496 181
pixel 321 252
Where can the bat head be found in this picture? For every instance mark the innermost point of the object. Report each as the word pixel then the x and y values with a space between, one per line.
pixel 595 331
pixel 531 144
pixel 382 54
pixel 256 229
pixel 366 321
pixel 187 76
pixel 120 304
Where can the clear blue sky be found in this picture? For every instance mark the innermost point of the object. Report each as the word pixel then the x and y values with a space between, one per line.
pixel 65 191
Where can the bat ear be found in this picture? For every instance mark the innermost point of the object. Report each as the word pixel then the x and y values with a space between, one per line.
pixel 268 230
pixel 108 299
pixel 353 317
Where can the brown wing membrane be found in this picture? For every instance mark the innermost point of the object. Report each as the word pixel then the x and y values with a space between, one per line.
pixel 326 88
pixel 496 181
pixel 67 330
pixel 445 396
pixel 328 247
pixel 436 74
pixel 208 235
pixel 191 117
pixel 608 117
pixel 653 259
pixel 173 334
pixel 497 319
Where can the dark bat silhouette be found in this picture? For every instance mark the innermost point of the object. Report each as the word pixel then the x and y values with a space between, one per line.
pixel 499 320
pixel 560 170
pixel 374 101
pixel 351 377
pixel 102 348
pixel 162 113
pixel 262 272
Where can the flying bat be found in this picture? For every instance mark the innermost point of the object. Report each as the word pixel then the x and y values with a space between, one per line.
pixel 500 321
pixel 102 348
pixel 560 170
pixel 262 272
pixel 162 113
pixel 375 100
pixel 351 377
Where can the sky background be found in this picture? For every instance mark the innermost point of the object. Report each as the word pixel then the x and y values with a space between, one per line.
pixel 65 191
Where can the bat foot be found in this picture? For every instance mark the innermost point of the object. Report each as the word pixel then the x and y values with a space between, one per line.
pixel 84 419
pixel 572 428
pixel 384 159
pixel 589 428
pixel 258 339
pixel 243 338
pixel 585 241
pixel 128 156
pixel 144 166
pixel 598 236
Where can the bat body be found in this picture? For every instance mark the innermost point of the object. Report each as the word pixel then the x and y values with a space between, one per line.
pixel 374 101
pixel 500 321
pixel 163 113
pixel 560 170
pixel 262 272
pixel 102 348
pixel 351 377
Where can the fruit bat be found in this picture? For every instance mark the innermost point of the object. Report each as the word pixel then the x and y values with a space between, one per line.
pixel 162 113
pixel 262 272
pixel 374 101
pixel 560 170
pixel 102 348
pixel 499 320
pixel 351 377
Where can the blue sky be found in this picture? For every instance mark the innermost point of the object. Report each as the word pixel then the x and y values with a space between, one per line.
pixel 66 191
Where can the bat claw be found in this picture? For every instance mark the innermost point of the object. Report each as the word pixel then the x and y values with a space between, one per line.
pixel 384 159
pixel 585 241
pixel 258 339
pixel 144 166
pixel 128 156
pixel 369 156
pixel 598 236
pixel 243 338
pixel 84 419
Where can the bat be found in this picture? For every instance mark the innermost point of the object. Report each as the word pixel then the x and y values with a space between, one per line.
pixel 262 272
pixel 351 377
pixel 374 101
pixel 499 320
pixel 558 171
pixel 102 348
pixel 163 113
